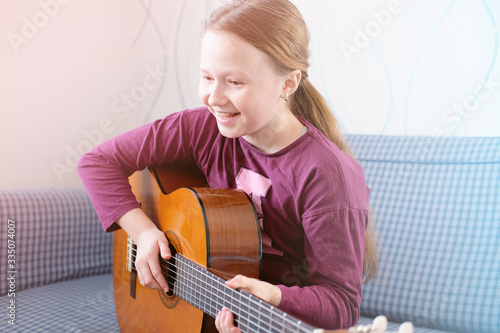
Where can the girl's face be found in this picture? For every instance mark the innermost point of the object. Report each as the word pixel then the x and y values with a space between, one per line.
pixel 242 90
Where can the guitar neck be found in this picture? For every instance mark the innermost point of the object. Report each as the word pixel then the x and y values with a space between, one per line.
pixel 209 293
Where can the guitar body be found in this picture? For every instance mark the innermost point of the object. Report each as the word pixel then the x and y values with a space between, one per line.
pixel 216 229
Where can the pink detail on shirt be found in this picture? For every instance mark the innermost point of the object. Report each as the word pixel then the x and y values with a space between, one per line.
pixel 257 187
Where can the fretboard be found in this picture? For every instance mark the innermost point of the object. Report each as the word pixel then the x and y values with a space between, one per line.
pixel 209 293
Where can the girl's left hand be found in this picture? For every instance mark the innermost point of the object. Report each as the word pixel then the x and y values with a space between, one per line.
pixel 225 322
pixel 264 290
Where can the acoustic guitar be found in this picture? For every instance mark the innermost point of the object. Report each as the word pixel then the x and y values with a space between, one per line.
pixel 213 235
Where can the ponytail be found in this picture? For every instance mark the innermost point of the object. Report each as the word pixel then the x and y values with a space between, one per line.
pixel 308 103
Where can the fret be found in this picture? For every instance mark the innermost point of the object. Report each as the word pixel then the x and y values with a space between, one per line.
pixel 243 309
pixel 194 287
pixel 243 327
pixel 242 312
pixel 263 313
pixel 245 303
pixel 201 290
pixel 208 292
pixel 267 323
pixel 179 284
pixel 272 321
pixel 184 282
pixel 205 295
pixel 190 284
pixel 187 282
pixel 252 327
pixel 238 296
pixel 212 301
pixel 215 295
pixel 254 313
pixel 250 315
pixel 285 326
pixel 220 297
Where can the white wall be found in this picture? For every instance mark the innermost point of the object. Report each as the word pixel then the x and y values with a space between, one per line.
pixel 74 73
pixel 409 67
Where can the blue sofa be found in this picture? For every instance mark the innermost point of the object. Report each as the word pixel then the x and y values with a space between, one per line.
pixel 437 210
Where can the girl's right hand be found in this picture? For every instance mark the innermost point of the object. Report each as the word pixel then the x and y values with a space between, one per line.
pixel 151 242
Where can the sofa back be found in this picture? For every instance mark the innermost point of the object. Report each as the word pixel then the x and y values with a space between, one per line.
pixel 57 237
pixel 437 211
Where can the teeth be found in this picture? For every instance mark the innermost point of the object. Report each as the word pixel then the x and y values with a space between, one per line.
pixel 225 114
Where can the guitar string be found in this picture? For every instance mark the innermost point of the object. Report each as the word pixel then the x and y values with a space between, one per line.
pixel 247 320
pixel 275 326
pixel 281 328
pixel 289 320
pixel 284 317
pixel 272 319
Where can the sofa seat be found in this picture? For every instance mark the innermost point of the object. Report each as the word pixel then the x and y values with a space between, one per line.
pixel 393 326
pixel 62 263
pixel 83 305
pixel 76 306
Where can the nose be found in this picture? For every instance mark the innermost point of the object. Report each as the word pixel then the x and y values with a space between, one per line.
pixel 217 95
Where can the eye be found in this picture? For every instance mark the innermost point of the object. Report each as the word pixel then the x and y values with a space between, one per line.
pixel 235 83
pixel 207 78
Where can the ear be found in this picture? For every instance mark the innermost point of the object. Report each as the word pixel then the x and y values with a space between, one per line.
pixel 292 81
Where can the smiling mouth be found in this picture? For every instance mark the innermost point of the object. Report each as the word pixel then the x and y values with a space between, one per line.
pixel 226 115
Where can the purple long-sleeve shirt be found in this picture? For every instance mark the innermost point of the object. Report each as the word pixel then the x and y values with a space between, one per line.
pixel 311 199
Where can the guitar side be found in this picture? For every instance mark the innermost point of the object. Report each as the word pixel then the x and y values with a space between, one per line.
pixel 216 229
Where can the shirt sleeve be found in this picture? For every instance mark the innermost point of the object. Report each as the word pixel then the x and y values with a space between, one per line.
pixel 334 247
pixel 105 169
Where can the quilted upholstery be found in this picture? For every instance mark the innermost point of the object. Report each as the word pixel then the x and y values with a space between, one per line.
pixel 58 236
pixel 76 306
pixel 437 209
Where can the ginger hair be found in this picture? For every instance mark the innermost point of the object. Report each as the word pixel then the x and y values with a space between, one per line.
pixel 278 29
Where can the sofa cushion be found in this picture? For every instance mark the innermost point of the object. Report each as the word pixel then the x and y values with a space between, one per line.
pixel 57 236
pixel 78 306
pixel 437 211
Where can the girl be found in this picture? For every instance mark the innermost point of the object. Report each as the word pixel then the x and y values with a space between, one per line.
pixel 266 130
